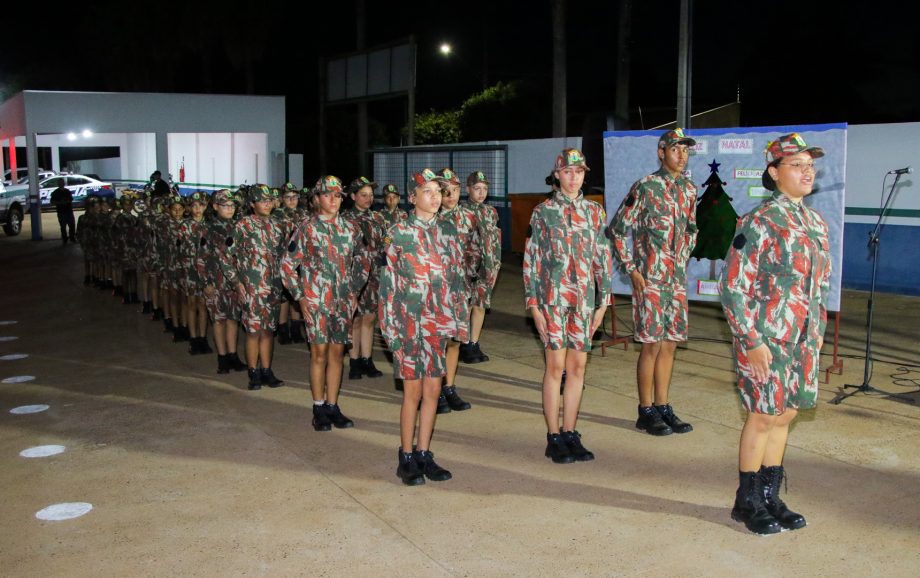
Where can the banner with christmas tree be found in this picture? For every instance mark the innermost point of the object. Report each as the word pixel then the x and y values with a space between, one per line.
pixel 726 165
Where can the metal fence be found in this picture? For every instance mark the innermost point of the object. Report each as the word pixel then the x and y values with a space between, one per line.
pixel 397 165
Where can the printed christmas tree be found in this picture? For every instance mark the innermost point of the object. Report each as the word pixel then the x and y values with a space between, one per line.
pixel 715 219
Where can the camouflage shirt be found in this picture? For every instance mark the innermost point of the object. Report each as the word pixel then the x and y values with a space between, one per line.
pixel 661 212
pixel 326 263
pixel 215 242
pixel 567 260
pixel 392 217
pixel 255 251
pixel 777 274
pixel 416 300
pixel 488 261
pixel 188 248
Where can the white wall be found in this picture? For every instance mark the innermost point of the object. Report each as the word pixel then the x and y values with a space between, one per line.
pixel 295 170
pixel 139 157
pixel 529 161
pixel 219 159
pixel 872 151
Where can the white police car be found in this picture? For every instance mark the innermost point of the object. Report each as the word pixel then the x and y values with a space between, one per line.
pixel 80 186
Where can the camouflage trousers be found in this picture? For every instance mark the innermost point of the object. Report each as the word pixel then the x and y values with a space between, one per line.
pixel 660 314
pixel 259 311
pixel 223 305
pixel 793 379
pixel 567 327
pixel 421 357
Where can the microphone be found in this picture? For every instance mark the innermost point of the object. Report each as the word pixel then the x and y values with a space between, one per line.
pixel 904 171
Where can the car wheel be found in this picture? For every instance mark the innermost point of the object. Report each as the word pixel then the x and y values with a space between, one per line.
pixel 13 224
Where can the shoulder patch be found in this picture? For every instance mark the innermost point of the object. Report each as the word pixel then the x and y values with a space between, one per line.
pixel 740 241
pixel 631 199
pixel 292 247
pixel 229 241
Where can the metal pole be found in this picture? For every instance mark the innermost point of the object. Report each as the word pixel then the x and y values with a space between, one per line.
pixel 559 70
pixel 684 60
pixel 412 74
pixel 362 106
pixel 35 202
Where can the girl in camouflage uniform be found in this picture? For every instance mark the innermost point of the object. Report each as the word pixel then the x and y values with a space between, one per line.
pixel 774 289
pixel 391 212
pixel 189 247
pixel 168 239
pixel 325 265
pixel 291 215
pixel 567 267
pixel 418 315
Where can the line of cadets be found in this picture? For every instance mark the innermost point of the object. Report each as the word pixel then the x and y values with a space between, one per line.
pixel 288 262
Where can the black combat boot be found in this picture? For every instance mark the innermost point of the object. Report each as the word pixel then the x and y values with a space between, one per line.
pixel 297 332
pixel 194 346
pixel 749 506
pixel 572 439
pixel 204 346
pixel 467 353
pixel 235 363
pixel 477 351
pixel 443 406
pixel 668 416
pixel 368 367
pixel 355 368
pixel 336 417
pixel 770 479
pixel 321 421
pixel 557 450
pixel 284 333
pixel 408 470
pixel 650 421
pixel 223 363
pixel 148 308
pixel 269 379
pixel 168 325
pixel 429 467
pixel 255 379
pixel 181 334
pixel 453 399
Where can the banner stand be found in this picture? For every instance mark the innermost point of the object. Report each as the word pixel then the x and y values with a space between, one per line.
pixel 837 366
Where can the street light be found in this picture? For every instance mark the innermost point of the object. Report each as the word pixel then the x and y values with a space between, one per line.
pixel 446 49
pixel 71 136
pixel 87 133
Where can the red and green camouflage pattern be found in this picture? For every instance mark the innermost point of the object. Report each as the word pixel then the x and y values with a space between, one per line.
pixel 791 384
pixel 326 263
pixel 567 259
pixel 487 261
pixel 660 212
pixel 424 357
pixel 390 218
pixel 789 145
pixel 777 274
pixel 570 158
pixel 448 176
pixel 458 223
pixel 168 245
pixel 417 306
pixel 373 229
pixel 189 246
pixel 673 137
pixel 254 264
pixel 224 303
pixel 127 238
pixel 567 328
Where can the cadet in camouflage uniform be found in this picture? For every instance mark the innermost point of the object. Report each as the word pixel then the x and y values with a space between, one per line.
pixel 143 236
pixel 189 247
pixel 390 211
pixel 457 221
pixel 84 234
pixel 104 243
pixel 324 267
pixel 168 247
pixel 127 237
pixel 567 268
pixel 487 264
pixel 774 288
pixel 290 324
pixel 221 297
pixel 418 315
pixel 660 211
pixel 254 267
pixel 155 264
pixel 373 228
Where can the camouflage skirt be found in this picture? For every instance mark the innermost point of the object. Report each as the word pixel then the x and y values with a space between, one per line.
pixel 422 357
pixel 223 305
pixel 793 379
pixel 259 311
pixel 567 327
pixel 660 314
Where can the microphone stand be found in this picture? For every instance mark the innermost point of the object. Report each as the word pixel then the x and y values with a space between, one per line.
pixel 874 241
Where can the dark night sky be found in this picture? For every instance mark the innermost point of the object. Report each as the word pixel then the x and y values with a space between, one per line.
pixel 795 62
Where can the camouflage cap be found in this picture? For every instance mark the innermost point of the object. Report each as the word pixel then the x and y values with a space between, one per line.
pixel 259 192
pixel 289 186
pixel 785 146
pixel 222 197
pixel 570 158
pixel 476 177
pixel 449 176
pixel 674 137
pixel 788 145
pixel 420 178
pixel 329 184
pixel 275 192
pixel 174 199
pixel 359 182
pixel 197 197
pixel 390 189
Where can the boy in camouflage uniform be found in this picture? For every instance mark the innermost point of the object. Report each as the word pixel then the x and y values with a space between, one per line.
pixel 418 314
pixel 487 263
pixel 457 221
pixel 567 265
pixel 390 211
pixel 373 228
pixel 221 297
pixel 660 211
pixel 254 268
pixel 774 288
pixel 324 266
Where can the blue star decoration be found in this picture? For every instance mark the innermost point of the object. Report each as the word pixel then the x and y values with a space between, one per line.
pixel 714 166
